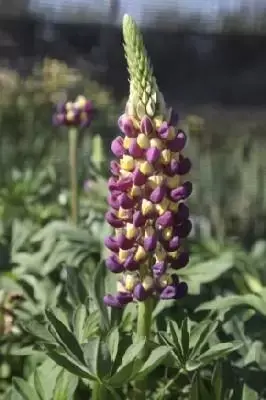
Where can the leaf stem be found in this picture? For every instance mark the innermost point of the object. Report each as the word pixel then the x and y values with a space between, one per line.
pixel 99 391
pixel 73 173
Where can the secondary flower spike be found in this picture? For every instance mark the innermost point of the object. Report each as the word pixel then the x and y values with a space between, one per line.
pixel 147 189
pixel 76 114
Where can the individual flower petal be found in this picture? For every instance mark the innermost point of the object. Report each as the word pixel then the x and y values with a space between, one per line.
pixel 123 242
pixel 184 229
pixel 112 219
pixel 159 268
pixel 182 192
pixel 182 290
pixel 173 120
pixel 169 292
pixel 146 125
pixel 184 166
pixel 181 261
pixel 125 201
pixel 165 220
pixel 114 265
pixel 135 150
pixel 150 243
pixel 117 147
pixel 140 293
pixel 131 264
pixel 158 194
pixel 138 219
pixel 178 143
pixel 153 154
pixel 111 243
pixel 138 177
pixel 126 126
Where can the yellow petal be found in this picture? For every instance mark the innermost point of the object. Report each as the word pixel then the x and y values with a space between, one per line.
pixel 146 168
pixel 173 181
pixel 140 254
pixel 127 163
pixel 146 207
pixel 143 141
pixel 165 157
pixel 127 142
pixel 155 142
pixel 122 255
pixel 131 231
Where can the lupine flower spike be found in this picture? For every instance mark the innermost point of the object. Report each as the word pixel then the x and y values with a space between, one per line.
pixel 147 189
pixel 74 114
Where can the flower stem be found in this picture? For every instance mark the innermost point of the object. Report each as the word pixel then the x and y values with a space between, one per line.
pixel 99 392
pixel 144 322
pixel 73 173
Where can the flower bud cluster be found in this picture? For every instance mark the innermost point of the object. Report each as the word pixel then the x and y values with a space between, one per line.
pixel 76 114
pixel 147 193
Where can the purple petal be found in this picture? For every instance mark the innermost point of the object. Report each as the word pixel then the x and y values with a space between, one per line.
pixel 163 130
pixel 140 293
pixel 150 243
pixel 135 151
pixel 138 219
pixel 158 194
pixel 123 242
pixel 182 213
pixel 124 298
pixel 181 261
pixel 113 264
pixel 182 192
pixel 126 126
pixel 182 290
pixel 173 244
pixel 172 168
pixel 153 154
pixel 113 201
pixel 125 201
pixel 178 143
pixel 184 229
pixel 111 244
pixel 117 147
pixel 130 264
pixel 184 166
pixel 112 219
pixel 114 167
pixel 139 178
pixel 169 292
pixel 146 125
pixel 112 301
pixel 165 220
pixel 159 269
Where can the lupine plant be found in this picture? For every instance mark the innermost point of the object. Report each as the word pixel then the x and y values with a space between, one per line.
pixel 74 115
pixel 147 193
pixel 124 331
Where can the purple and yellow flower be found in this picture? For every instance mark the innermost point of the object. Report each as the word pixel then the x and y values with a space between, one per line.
pixel 79 113
pixel 148 189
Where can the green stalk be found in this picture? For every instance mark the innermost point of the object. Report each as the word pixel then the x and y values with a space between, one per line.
pixel 144 322
pixel 73 173
pixel 99 391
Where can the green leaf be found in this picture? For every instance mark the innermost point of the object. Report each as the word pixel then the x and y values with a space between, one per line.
pixel 156 358
pixel 99 292
pixel 26 391
pixel 217 381
pixel 122 375
pixel 219 350
pixel 71 365
pixel 67 337
pixel 199 336
pixel 65 387
pixel 97 357
pixel 133 351
pixel 38 385
pixel 227 303
pixel 249 394
pixel 75 287
pixel 39 330
pixel 113 343
pixel 175 332
pixel 198 390
pixel 79 319
pixel 185 338
pixel 209 271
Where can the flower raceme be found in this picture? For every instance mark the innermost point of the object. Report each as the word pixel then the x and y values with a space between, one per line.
pixel 74 114
pixel 147 193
